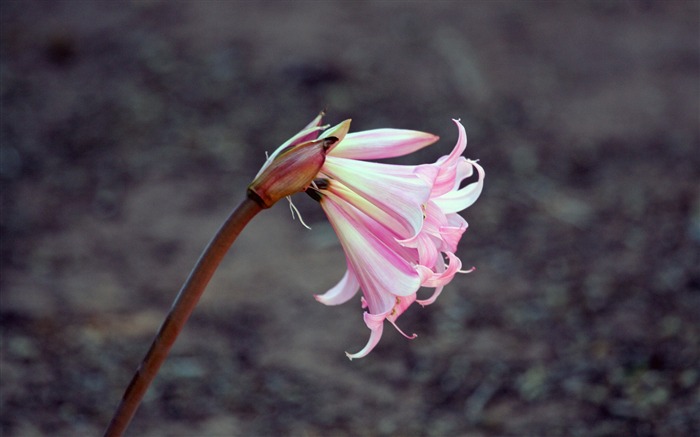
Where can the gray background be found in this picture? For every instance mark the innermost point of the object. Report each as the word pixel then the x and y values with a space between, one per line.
pixel 130 129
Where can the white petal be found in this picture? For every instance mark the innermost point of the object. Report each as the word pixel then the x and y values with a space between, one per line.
pixel 382 143
pixel 376 325
pixel 342 291
pixel 458 200
pixel 398 190
pixel 381 272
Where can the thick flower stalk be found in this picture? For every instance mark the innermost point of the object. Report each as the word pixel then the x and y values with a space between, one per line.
pixel 291 169
pixel 398 224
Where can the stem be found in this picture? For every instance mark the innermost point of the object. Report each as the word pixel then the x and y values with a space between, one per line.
pixel 180 311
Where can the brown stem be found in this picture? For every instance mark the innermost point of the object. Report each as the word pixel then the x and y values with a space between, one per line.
pixel 180 311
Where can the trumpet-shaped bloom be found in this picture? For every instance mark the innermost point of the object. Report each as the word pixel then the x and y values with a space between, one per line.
pixel 398 224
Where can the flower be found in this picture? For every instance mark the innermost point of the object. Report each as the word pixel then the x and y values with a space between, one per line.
pixel 398 224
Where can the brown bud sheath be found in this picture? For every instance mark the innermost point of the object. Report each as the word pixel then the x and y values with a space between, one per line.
pixel 291 171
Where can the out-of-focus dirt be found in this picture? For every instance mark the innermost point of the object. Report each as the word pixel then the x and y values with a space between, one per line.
pixel 130 129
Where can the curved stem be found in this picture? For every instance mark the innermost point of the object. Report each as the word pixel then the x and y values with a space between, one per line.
pixel 180 311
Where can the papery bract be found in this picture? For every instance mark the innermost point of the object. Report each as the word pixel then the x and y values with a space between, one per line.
pixel 290 169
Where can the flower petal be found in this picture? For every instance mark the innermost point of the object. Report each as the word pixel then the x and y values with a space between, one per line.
pixel 459 148
pixel 452 167
pixel 400 192
pixel 424 243
pixel 371 209
pixel 339 131
pixel 402 304
pixel 380 271
pixel 382 143
pixel 450 176
pixel 452 232
pixel 342 291
pixel 432 298
pixel 458 200
pixel 375 322
pixel 439 268
pixel 440 279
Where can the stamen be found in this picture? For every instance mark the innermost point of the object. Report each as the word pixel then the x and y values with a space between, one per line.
pixel 410 337
pixel 466 271
pixel 329 142
pixel 321 183
pixel 314 194
pixel 315 188
pixel 294 211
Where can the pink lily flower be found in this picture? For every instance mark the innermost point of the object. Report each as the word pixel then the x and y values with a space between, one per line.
pixel 398 224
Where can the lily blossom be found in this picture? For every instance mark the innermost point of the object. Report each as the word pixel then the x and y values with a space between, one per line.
pixel 398 224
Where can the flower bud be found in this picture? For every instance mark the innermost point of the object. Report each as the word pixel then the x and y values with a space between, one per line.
pixel 289 171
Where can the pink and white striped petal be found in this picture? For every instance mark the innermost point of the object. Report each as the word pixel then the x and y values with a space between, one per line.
pixel 382 143
pixel 400 193
pixel 375 322
pixel 343 291
pixel 380 271
pixel 463 198
pixel 435 279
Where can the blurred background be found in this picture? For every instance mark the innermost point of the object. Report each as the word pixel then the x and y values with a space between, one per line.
pixel 130 130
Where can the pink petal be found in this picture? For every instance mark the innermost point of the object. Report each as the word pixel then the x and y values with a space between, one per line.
pixel 400 195
pixel 371 209
pixel 452 233
pixel 452 168
pixel 342 291
pixel 401 305
pixel 382 143
pixel 450 176
pixel 375 322
pixel 458 200
pixel 459 147
pixel 380 271
pixel 432 298
pixel 429 240
pixel 425 245
pixel 439 268
pixel 441 279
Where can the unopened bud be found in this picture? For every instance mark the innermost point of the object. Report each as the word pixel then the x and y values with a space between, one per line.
pixel 290 171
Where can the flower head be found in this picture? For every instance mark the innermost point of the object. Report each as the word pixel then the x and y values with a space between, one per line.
pixel 398 224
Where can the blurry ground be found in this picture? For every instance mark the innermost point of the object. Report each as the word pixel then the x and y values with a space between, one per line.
pixel 130 129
